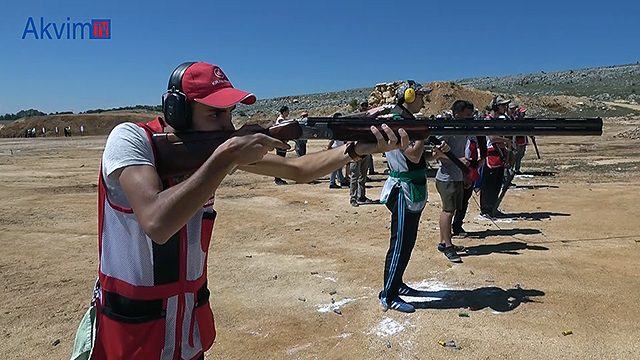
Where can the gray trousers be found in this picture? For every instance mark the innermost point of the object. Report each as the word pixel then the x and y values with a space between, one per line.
pixel 358 177
pixel 520 150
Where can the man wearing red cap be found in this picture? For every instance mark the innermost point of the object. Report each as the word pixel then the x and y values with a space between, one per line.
pixel 152 299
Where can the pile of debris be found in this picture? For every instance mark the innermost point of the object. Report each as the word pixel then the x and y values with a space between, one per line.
pixel 384 93
pixel 633 134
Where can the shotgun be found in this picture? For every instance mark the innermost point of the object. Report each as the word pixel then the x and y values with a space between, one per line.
pixel 182 153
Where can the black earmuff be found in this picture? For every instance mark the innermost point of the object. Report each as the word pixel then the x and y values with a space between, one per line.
pixel 175 107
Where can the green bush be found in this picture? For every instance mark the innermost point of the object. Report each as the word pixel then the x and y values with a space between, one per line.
pixel 354 104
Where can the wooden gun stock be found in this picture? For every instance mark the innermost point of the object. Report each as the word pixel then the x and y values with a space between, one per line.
pixel 179 154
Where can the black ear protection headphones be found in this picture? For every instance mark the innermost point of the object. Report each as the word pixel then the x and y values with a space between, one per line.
pixel 494 104
pixel 175 107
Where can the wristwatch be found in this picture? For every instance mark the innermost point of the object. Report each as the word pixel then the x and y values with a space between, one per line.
pixel 351 151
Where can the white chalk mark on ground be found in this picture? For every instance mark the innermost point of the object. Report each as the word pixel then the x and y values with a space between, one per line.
pixel 323 308
pixel 388 327
pixel 407 345
pixel 431 285
pixel 326 277
pixel 498 220
pixel 295 348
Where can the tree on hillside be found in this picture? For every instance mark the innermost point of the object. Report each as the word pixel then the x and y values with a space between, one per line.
pixel 21 114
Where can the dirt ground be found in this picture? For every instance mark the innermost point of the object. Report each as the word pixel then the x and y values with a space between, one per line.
pixel 283 258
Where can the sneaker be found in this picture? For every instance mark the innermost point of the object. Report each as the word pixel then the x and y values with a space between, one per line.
pixel 451 254
pixel 354 203
pixel 279 181
pixel 404 289
pixel 334 186
pixel 442 248
pixel 397 304
pixel 366 200
pixel 346 183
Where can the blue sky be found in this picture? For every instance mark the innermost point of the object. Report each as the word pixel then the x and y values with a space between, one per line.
pixel 277 48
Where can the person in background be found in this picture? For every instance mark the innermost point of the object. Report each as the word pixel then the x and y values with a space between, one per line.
pixel 301 144
pixel 521 143
pixel 337 173
pixel 493 169
pixel 284 114
pixel 450 181
pixel 363 106
pixel 405 195
pixel 358 172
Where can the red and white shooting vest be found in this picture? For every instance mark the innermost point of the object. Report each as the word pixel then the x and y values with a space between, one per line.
pixel 153 301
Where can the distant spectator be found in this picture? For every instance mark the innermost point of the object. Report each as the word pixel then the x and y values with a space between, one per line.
pixel 450 181
pixel 57 134
pixel 521 142
pixel 493 169
pixel 284 114
pixel 81 130
pixel 338 172
pixel 301 144
pixel 362 107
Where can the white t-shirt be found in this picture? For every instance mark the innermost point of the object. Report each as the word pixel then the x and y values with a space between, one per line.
pixel 126 145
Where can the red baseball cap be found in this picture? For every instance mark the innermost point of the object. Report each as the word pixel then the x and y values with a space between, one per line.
pixel 207 84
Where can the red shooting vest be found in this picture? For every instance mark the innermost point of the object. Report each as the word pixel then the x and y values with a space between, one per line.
pixel 494 160
pixel 471 153
pixel 153 301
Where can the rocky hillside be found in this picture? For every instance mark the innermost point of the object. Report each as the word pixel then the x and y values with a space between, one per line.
pixel 602 83
pixel 572 93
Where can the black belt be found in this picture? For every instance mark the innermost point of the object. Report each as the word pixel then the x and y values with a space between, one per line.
pixel 123 309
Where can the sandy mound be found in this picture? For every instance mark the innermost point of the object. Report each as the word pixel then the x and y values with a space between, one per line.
pixel 94 124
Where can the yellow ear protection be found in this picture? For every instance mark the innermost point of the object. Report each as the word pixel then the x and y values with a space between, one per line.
pixel 409 95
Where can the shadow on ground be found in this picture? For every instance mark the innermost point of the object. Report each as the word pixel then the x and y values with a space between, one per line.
pixel 510 248
pixel 532 215
pixel 502 232
pixel 493 297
